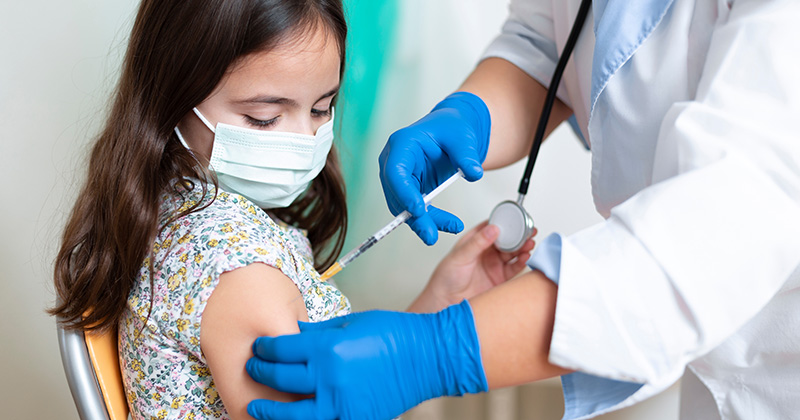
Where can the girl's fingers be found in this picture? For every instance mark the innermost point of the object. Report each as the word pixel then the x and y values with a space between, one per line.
pixel 510 270
pixel 464 239
pixel 508 256
pixel 526 247
pixel 479 242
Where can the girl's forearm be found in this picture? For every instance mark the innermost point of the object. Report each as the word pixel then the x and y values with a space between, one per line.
pixel 428 301
pixel 514 322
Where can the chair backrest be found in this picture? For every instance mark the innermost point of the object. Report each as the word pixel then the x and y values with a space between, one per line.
pixel 91 363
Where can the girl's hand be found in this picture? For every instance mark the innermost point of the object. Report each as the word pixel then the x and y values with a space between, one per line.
pixel 472 267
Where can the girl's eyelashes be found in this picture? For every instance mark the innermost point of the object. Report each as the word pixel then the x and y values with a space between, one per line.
pixel 316 113
pixel 321 113
pixel 260 123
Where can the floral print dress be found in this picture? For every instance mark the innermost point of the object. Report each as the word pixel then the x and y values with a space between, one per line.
pixel 164 371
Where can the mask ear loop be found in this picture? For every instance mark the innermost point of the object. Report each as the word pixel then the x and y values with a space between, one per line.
pixel 182 140
pixel 204 120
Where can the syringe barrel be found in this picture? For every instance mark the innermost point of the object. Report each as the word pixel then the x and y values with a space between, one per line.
pixel 347 259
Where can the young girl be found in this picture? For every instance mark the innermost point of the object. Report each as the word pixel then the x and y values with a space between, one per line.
pixel 212 182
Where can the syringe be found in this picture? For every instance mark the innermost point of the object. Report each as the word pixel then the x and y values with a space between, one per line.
pixel 372 240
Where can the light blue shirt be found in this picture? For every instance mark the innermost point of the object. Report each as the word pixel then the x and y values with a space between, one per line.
pixel 620 27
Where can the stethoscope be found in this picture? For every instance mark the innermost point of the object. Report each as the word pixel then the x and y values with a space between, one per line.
pixel 515 224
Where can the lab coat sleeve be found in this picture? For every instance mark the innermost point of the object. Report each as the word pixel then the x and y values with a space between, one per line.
pixel 527 40
pixel 682 265
pixel 584 394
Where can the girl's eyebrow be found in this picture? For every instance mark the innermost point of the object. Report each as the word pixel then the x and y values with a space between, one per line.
pixel 283 101
pixel 330 93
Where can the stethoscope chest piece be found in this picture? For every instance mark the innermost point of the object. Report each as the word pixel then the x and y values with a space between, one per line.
pixel 515 224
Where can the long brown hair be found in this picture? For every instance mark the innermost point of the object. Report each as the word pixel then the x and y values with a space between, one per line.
pixel 177 54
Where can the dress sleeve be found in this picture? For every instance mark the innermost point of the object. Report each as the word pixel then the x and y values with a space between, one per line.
pixel 229 239
pixel 682 265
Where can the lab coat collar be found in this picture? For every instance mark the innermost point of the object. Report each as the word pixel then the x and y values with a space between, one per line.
pixel 620 27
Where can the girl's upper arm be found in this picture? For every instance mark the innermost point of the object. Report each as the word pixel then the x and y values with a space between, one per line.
pixel 248 302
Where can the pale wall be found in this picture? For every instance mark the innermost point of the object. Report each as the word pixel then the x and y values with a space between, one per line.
pixel 58 58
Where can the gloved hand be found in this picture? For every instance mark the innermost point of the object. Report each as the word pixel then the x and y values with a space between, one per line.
pixel 369 365
pixel 416 159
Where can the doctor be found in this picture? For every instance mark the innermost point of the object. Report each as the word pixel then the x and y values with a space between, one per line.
pixel 690 109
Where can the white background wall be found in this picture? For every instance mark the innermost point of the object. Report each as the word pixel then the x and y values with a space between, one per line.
pixel 58 61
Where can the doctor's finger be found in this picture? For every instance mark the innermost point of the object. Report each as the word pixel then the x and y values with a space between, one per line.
pixel 294 378
pixel 294 348
pixel 466 159
pixel 425 228
pixel 273 410
pixel 337 322
pixel 399 181
pixel 445 221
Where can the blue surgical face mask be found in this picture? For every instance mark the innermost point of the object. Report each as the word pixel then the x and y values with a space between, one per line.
pixel 269 168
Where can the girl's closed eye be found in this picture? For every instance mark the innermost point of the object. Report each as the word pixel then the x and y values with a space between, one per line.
pixel 255 122
pixel 319 113
pixel 260 123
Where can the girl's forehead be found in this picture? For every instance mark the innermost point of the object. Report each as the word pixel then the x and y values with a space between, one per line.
pixel 305 63
pixel 297 51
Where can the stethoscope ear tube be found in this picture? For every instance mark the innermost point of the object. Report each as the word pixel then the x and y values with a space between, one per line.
pixel 515 224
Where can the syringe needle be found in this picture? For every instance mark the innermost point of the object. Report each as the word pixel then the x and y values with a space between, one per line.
pixel 372 240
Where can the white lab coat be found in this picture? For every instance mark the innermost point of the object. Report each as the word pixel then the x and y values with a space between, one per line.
pixel 696 168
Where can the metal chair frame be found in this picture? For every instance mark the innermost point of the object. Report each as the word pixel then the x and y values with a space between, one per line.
pixel 81 376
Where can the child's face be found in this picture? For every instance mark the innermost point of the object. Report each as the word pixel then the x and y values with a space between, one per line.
pixel 289 88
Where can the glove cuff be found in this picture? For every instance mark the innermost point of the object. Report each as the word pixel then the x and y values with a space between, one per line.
pixel 460 361
pixel 471 103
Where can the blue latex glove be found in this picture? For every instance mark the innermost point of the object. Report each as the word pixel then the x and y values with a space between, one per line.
pixel 416 159
pixel 369 365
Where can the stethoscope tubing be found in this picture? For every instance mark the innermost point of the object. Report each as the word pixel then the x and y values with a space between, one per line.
pixel 550 99
pixel 521 223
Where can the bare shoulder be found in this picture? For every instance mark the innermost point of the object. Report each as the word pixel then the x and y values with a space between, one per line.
pixel 248 302
pixel 257 295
